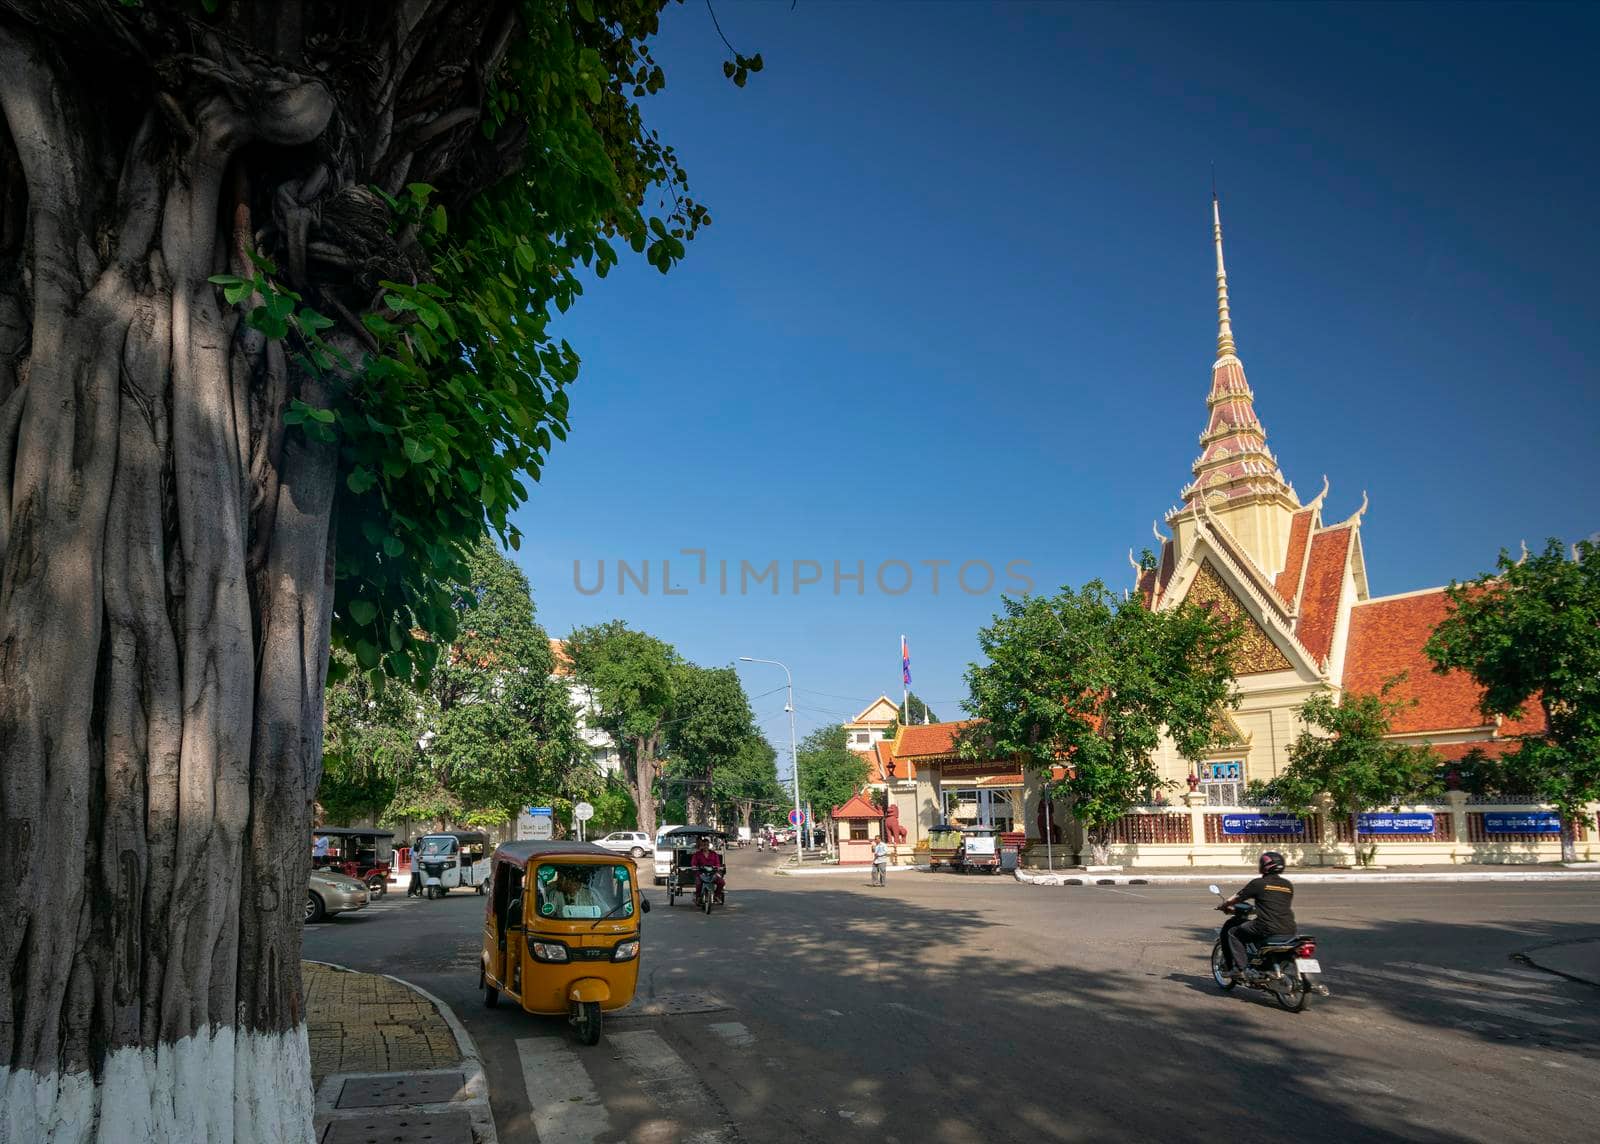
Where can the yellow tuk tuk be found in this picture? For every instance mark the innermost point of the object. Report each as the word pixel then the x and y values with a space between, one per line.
pixel 561 933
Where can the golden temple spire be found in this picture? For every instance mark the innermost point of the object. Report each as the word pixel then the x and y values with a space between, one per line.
pixel 1224 326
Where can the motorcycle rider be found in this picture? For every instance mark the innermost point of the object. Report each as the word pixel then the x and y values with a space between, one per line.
pixel 705 856
pixel 1273 896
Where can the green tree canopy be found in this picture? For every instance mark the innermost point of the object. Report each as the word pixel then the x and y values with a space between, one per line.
pixel 1529 634
pixel 711 721
pixel 1088 680
pixel 633 678
pixel 490 732
pixel 1344 753
pixel 830 772
pixel 749 781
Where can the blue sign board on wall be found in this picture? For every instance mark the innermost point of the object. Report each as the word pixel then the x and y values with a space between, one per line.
pixel 1394 823
pixel 1262 824
pixel 1522 822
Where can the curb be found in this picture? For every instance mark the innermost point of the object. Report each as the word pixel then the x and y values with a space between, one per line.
pixel 1531 958
pixel 1302 877
pixel 475 1086
pixel 825 871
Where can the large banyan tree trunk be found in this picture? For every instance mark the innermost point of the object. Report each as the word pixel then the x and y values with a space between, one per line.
pixel 166 554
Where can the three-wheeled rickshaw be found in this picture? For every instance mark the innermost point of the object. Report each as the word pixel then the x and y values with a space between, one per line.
pixel 980 849
pixel 448 860
pixel 561 934
pixel 944 846
pixel 683 841
pixel 364 854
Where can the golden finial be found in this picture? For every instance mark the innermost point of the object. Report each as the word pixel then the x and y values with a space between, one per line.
pixel 1224 325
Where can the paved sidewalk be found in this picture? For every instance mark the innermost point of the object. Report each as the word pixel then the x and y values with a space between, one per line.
pixel 1579 960
pixel 1310 875
pixel 391 1062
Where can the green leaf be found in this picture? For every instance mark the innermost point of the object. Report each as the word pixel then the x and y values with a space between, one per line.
pixel 586 10
pixel 363 612
pixel 360 480
pixel 367 654
pixel 418 451
pixel 439 220
pixel 393 545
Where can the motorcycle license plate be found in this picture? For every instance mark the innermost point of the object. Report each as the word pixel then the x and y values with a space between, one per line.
pixel 1308 965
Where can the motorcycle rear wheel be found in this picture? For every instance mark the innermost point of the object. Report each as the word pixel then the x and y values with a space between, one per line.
pixel 1219 967
pixel 1298 995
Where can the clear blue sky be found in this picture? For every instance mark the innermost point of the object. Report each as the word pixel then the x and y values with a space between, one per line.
pixel 957 303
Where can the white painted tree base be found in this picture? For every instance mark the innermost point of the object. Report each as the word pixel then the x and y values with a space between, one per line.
pixel 212 1088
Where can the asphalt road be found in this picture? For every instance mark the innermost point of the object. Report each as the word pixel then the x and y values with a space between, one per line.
pixel 950 1009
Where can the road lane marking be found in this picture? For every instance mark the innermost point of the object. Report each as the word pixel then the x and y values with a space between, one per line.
pixel 565 1106
pixel 734 1033
pixel 1505 980
pixel 673 1086
pixel 1423 975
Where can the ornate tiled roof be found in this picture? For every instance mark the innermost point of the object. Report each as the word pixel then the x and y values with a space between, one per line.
pixel 1387 637
pixel 1288 581
pixel 929 740
pixel 1234 462
pixel 880 756
pixel 857 807
pixel 1326 560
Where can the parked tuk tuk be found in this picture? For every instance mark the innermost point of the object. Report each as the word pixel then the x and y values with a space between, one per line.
pixel 681 842
pixel 980 849
pixel 456 858
pixel 944 845
pixel 364 854
pixel 562 933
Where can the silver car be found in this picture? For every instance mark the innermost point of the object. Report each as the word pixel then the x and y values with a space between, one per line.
pixel 328 894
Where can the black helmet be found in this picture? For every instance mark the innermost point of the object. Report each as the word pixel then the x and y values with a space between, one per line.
pixel 1271 862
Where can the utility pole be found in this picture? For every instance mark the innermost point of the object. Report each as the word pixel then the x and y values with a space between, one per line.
pixel 794 756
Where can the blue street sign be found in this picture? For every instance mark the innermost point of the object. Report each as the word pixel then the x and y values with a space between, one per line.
pixel 536 811
pixel 1262 824
pixel 1522 822
pixel 795 818
pixel 1394 823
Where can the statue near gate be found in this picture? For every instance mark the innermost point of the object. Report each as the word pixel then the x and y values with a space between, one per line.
pixel 892 830
pixel 1055 822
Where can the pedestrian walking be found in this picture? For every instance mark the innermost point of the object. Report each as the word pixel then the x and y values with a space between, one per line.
pixel 880 862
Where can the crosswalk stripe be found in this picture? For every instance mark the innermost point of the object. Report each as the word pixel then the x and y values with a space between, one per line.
pixel 1511 1005
pixel 565 1106
pixel 734 1033
pixel 673 1086
pixel 1503 980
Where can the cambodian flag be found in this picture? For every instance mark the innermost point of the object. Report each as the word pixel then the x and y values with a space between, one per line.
pixel 905 662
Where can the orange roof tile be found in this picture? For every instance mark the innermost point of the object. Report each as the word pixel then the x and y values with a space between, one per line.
pixel 1386 637
pixel 857 807
pixel 929 740
pixel 558 653
pixel 1319 600
pixel 1288 582
pixel 881 755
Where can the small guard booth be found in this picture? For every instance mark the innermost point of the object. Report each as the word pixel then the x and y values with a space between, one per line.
pixel 858 825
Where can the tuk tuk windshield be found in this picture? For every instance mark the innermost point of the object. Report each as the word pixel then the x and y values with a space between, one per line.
pixel 573 891
pixel 436 846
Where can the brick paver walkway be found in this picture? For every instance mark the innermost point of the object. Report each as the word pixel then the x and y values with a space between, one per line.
pixel 364 1023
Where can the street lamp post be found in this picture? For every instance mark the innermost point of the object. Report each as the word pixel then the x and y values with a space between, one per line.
pixel 794 757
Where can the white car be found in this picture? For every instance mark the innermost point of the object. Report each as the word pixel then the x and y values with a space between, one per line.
pixel 632 842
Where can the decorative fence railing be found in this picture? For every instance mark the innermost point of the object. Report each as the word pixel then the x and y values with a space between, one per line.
pixel 1153 828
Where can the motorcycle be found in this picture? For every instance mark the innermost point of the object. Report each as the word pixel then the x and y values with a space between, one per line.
pixel 1288 970
pixel 706 893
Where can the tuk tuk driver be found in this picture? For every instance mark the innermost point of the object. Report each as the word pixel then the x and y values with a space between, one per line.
pixel 571 890
pixel 705 856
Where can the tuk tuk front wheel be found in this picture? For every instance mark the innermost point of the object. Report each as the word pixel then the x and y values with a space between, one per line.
pixel 491 995
pixel 586 1020
pixel 377 885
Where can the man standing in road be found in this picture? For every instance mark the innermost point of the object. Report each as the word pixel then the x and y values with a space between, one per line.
pixel 880 862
